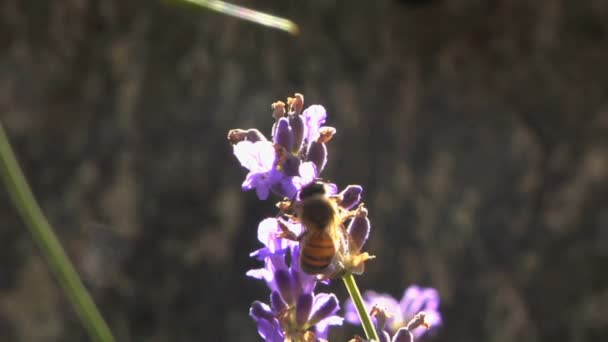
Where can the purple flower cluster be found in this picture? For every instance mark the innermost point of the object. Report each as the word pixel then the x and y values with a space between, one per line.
pixel 397 314
pixel 288 166
pixel 296 155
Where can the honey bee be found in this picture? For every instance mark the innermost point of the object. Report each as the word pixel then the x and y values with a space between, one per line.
pixel 324 238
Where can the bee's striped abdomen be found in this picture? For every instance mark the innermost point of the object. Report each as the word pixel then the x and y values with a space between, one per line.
pixel 317 252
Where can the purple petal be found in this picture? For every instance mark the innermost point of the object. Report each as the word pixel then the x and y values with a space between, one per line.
pixel 317 154
pixel 253 180
pixel 331 189
pixel 314 116
pixel 262 190
pixel 267 230
pixel 416 299
pixel 274 176
pixel 291 166
pixel 384 336
pixel 276 262
pixel 409 296
pixel 256 157
pixel 283 134
pixel 259 182
pixel 351 196
pixel 350 313
pixel 322 334
pixel 268 326
pixel 305 281
pixel 270 331
pixel 403 335
pixel 244 152
pixel 258 273
pixel 308 174
pixel 286 187
pixel 323 324
pixel 260 254
pixel 263 253
pixel 265 154
pixel 303 307
pixel 286 286
pixel 326 304
pixel 276 302
pixel 261 310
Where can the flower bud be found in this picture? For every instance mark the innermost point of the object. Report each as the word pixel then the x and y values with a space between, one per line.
pixel 297 126
pixel 317 153
pixel 358 229
pixel 283 134
pixel 350 196
pixel 261 310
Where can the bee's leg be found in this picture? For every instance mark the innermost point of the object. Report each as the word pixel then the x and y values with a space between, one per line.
pixel 285 207
pixel 285 232
pixel 347 215
pixel 336 198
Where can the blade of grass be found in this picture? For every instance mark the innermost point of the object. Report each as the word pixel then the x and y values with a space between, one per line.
pixel 248 14
pixel 51 248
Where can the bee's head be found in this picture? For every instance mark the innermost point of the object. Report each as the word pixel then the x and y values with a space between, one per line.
pixel 313 189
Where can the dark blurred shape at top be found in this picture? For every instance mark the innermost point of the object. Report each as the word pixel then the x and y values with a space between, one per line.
pixel 418 3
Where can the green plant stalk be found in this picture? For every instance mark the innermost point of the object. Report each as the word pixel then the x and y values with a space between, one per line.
pixel 355 295
pixel 51 248
pixel 248 14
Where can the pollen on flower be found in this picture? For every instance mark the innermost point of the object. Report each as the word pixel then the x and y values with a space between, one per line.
pixel 325 134
pixel 278 109
pixel 296 103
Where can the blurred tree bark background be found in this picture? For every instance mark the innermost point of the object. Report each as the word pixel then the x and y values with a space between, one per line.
pixel 479 130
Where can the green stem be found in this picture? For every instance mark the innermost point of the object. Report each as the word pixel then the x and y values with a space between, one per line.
pixel 48 243
pixel 355 295
pixel 244 13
